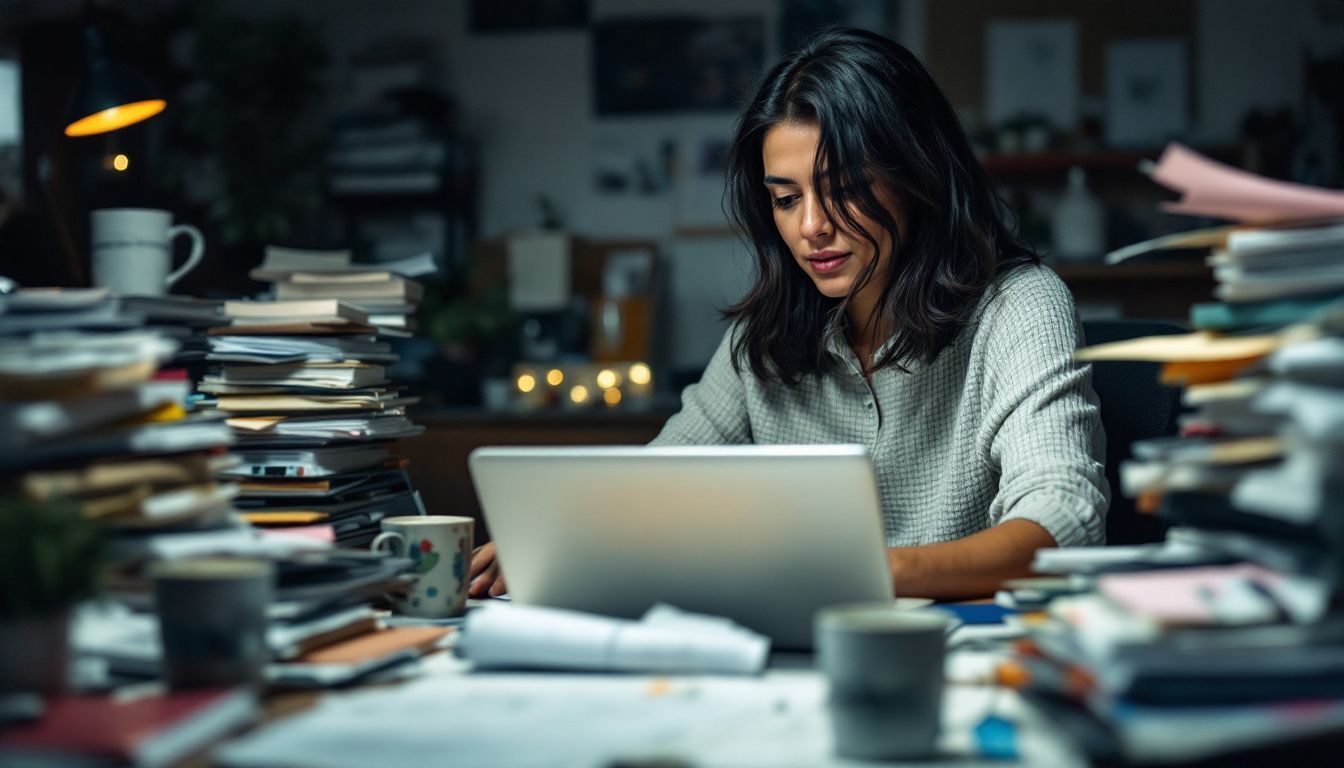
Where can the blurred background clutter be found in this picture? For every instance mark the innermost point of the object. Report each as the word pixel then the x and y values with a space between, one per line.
pixel 557 168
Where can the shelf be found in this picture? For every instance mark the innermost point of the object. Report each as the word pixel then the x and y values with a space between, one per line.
pixel 1194 271
pixel 1060 161
pixel 1144 289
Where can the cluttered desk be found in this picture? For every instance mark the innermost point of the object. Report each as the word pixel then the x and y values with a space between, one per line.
pixel 249 533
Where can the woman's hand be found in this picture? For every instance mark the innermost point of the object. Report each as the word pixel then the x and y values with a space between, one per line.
pixel 969 568
pixel 484 573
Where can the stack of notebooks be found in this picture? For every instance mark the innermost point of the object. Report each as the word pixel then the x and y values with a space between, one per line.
pixel 322 631
pixel 382 295
pixel 87 414
pixel 304 385
pixel 184 319
pixel 1228 636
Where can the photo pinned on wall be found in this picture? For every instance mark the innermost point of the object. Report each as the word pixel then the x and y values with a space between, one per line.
pixel 700 185
pixel 625 163
pixel 527 15
pixel 1031 71
pixel 1147 90
pixel 675 64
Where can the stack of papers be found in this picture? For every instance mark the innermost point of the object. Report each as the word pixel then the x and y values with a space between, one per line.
pixel 1228 635
pixel 303 382
pixel 321 630
pixel 93 417
pixel 33 310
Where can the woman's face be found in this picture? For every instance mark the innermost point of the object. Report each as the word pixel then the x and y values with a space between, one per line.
pixel 834 259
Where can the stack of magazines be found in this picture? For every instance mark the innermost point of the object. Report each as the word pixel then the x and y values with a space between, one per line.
pixel 1229 635
pixel 304 385
pixel 88 414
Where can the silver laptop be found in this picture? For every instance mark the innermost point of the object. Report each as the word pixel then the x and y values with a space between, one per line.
pixel 764 535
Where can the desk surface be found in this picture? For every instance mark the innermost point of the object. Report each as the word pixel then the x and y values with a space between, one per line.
pixel 446 714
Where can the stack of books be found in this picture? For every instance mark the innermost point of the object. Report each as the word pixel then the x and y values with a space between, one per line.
pixel 322 632
pixel 185 320
pixel 87 414
pixel 1229 635
pixel 382 295
pixel 390 156
pixel 90 414
pixel 304 385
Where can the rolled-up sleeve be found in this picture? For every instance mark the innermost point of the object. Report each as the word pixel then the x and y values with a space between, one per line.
pixel 1042 430
pixel 714 410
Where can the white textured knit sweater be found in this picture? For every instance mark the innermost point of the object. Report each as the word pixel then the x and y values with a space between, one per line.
pixel 1002 425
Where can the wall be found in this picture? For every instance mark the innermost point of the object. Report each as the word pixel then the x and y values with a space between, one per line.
pixel 1250 55
pixel 527 96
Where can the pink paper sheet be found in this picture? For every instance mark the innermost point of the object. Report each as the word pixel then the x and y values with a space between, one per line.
pixel 1211 188
pixel 1179 595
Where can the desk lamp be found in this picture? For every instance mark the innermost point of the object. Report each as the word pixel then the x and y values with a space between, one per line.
pixel 112 96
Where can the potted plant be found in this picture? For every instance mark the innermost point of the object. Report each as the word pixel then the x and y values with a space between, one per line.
pixel 50 559
pixel 476 336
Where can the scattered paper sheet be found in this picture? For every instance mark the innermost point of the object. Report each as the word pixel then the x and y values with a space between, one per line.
pixel 1213 189
pixel 665 640
pixel 1190 347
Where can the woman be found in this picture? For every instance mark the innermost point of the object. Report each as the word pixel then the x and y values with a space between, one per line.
pixel 894 308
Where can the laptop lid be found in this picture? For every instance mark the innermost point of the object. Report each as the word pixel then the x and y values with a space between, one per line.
pixel 763 535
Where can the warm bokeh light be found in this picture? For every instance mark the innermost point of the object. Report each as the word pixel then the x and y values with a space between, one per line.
pixel 555 377
pixel 640 374
pixel 606 378
pixel 114 118
pixel 527 382
pixel 579 394
pixel 121 162
pixel 612 396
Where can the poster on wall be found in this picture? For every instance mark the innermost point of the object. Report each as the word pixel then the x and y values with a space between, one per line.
pixel 675 64
pixel 1146 92
pixel 638 163
pixel 1031 71
pixel 700 184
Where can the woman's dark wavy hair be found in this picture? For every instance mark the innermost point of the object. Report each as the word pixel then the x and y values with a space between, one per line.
pixel 882 121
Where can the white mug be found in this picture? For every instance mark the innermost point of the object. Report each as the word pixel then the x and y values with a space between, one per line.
pixel 132 250
pixel 440 547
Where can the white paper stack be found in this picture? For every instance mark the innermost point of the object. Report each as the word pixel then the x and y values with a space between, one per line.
pixel 664 640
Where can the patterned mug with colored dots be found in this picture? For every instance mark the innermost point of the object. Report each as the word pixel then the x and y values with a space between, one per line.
pixel 440 548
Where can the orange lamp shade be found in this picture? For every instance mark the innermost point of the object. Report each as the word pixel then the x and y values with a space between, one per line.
pixel 111 96
pixel 112 118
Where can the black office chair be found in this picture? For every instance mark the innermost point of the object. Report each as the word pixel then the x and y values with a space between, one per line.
pixel 1134 406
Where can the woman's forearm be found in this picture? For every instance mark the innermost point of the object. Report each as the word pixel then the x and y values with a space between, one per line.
pixel 967 568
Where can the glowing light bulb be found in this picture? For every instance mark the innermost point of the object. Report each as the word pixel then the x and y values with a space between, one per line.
pixel 527 382
pixel 579 394
pixel 606 378
pixel 555 377
pixel 612 396
pixel 121 162
pixel 640 374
